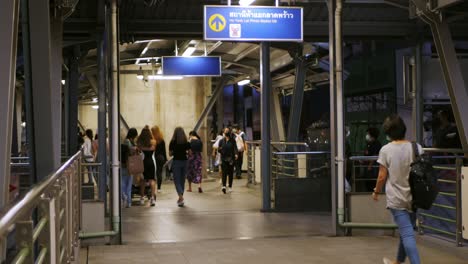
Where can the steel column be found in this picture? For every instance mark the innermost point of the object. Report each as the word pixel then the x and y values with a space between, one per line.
pixel 276 117
pixel 102 120
pixel 56 31
pixel 265 80
pixel 114 137
pixel 71 101
pixel 214 97
pixel 297 100
pixel 419 100
pixel 9 15
pixel 333 171
pixel 44 91
pixel 451 70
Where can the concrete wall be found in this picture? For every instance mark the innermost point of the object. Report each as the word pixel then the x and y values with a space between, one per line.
pixel 166 103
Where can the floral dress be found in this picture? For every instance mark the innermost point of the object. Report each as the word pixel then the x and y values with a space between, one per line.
pixel 194 173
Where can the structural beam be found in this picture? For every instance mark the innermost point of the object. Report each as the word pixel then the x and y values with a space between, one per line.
pixel 265 156
pixel 9 15
pixel 44 90
pixel 276 117
pixel 71 102
pixel 102 119
pixel 451 70
pixel 297 100
pixel 214 97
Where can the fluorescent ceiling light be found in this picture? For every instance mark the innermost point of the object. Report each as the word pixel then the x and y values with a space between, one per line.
pixel 188 51
pixel 139 77
pixel 243 82
pixel 144 50
pixel 95 99
pixel 245 2
pixel 165 77
pixel 95 106
pixel 63 82
pixel 148 40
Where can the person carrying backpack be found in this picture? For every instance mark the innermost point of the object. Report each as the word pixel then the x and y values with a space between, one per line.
pixel 239 137
pixel 395 161
pixel 229 154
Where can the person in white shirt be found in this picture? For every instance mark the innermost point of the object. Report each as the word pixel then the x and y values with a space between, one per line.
pixel 88 153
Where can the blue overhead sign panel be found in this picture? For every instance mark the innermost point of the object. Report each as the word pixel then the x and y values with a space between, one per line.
pixel 256 23
pixel 192 66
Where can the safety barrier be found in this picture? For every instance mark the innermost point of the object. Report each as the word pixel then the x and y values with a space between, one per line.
pixel 46 220
pixel 445 216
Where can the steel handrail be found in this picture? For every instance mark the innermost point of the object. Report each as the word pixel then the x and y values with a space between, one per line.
pixel 301 152
pixel 13 212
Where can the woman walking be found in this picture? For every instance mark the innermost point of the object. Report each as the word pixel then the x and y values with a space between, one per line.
pixel 159 154
pixel 228 150
pixel 127 179
pixel 395 159
pixel 194 173
pixel 178 149
pixel 147 144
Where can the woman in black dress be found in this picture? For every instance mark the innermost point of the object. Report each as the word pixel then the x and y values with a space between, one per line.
pixel 159 154
pixel 146 144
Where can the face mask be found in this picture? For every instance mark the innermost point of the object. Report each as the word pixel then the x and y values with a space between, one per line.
pixel 368 137
pixel 389 139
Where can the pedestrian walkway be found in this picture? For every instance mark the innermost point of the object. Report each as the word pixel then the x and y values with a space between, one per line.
pixel 229 228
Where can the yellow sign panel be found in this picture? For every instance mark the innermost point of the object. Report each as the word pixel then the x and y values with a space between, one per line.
pixel 217 22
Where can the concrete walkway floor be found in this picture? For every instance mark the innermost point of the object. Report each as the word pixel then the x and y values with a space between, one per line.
pixel 330 250
pixel 229 228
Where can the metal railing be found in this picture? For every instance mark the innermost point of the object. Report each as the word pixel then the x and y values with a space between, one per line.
pixel 46 220
pixel 279 146
pixel 445 215
pixel 89 176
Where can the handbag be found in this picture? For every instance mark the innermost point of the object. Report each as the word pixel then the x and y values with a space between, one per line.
pixel 422 180
pixel 135 165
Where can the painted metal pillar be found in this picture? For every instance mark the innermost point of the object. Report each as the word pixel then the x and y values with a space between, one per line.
pixel 419 100
pixel 71 102
pixel 297 100
pixel 114 135
pixel 28 92
pixel 214 97
pixel 43 97
pixel 265 156
pixel 276 117
pixel 102 118
pixel 9 15
pixel 333 171
pixel 456 86
pixel 56 35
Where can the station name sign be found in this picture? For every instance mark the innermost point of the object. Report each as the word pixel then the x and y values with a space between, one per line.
pixel 192 66
pixel 256 23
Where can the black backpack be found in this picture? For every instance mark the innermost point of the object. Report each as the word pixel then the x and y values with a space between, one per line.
pixel 422 180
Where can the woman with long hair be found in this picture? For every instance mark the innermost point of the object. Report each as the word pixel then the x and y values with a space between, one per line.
pixel 178 149
pixel 194 173
pixel 147 144
pixel 228 150
pixel 128 149
pixel 395 159
pixel 159 154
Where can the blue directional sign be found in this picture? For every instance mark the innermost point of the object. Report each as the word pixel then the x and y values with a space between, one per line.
pixel 192 66
pixel 256 23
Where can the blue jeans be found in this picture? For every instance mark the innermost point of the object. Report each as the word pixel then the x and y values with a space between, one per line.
pixel 179 170
pixel 126 184
pixel 407 246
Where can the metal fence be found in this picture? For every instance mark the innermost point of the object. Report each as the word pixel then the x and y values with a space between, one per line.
pixel 45 222
pixel 445 216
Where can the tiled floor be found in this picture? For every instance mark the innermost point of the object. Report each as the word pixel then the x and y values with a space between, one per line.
pixel 218 228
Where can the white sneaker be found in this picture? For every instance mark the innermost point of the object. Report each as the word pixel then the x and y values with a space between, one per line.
pixel 159 190
pixel 152 202
pixel 387 261
pixel 142 201
pixel 229 190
